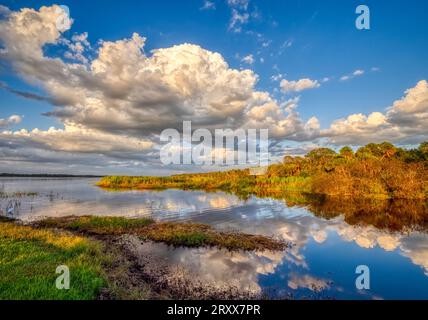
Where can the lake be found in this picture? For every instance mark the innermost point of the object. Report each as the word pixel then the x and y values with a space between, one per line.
pixel 321 263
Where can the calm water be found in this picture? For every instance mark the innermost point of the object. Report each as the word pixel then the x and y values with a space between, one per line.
pixel 321 262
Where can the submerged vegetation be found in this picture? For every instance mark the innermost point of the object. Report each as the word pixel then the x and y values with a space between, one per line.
pixel 376 171
pixel 172 233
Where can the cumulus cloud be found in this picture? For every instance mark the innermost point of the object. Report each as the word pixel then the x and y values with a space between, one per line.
pixel 77 139
pixel 123 89
pixel 13 119
pixel 405 121
pixel 299 85
pixel 248 59
pixel 126 96
pixel 118 99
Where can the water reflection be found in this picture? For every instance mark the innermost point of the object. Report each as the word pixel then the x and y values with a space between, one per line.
pixel 330 239
pixel 395 215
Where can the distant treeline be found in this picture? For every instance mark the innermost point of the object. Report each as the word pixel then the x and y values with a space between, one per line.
pixel 45 175
pixel 381 171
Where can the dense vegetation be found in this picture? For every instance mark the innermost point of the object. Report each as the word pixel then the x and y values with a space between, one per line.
pixel 380 171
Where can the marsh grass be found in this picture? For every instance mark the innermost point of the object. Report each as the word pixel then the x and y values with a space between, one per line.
pixel 375 171
pixel 6 195
pixel 172 233
pixel 29 258
pixel 97 225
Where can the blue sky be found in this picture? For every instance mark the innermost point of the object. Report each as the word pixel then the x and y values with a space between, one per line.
pixel 295 39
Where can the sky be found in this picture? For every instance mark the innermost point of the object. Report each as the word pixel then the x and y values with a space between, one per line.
pixel 92 93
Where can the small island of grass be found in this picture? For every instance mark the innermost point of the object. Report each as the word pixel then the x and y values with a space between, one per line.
pixel 171 233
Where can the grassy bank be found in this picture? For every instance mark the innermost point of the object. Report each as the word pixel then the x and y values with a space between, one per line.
pixel 377 171
pixel 29 258
pixel 92 247
pixel 172 233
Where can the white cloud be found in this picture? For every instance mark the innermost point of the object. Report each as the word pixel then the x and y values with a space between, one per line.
pixel 249 59
pixel 239 14
pixel 284 46
pixel 287 44
pixel 266 44
pixel 284 122
pixel 77 47
pixel 299 85
pixel 241 4
pixel 12 120
pixel 406 121
pixel 79 139
pixel 125 97
pixel 208 5
pixel 356 73
pixel 237 20
pixel 277 77
pixel 115 104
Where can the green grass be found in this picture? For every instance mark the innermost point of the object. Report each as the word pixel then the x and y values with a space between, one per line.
pixel 172 233
pixel 97 225
pixel 29 258
pixel 17 194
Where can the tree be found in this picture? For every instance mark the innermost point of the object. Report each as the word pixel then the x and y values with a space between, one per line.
pixel 384 150
pixel 347 152
pixel 321 153
pixel 387 149
pixel 423 149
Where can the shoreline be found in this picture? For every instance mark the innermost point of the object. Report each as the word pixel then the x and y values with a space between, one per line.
pixel 110 249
